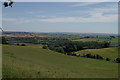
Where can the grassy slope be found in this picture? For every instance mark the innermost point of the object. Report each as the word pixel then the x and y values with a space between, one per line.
pixel 0 61
pixel 30 61
pixel 105 52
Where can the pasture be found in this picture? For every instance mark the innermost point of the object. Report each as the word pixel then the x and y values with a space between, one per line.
pixel 111 53
pixel 113 41
pixel 35 62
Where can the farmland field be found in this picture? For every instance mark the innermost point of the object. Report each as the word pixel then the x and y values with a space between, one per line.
pixel 35 62
pixel 113 41
pixel 111 53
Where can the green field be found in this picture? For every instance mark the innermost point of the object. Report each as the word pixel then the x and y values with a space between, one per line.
pixel 35 62
pixel 111 53
pixel 114 41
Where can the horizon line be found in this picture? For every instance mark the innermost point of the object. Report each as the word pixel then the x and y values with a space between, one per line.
pixel 62 32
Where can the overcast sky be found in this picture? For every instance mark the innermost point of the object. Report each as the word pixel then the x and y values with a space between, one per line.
pixel 94 17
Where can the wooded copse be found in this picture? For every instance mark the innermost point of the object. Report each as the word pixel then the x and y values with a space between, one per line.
pixel 71 46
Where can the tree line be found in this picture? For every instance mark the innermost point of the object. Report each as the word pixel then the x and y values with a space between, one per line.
pixel 68 47
pixel 71 46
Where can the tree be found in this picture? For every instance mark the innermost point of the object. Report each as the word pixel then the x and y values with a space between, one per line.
pixel 18 44
pixel 106 44
pixel 112 36
pixel 4 41
pixel 44 47
pixel 107 59
pixel 59 49
pixel 23 45
pixel 88 55
pixel 117 60
pixel 7 4
pixel 98 57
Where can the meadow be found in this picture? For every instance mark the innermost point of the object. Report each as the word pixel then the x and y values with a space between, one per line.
pixel 111 52
pixel 113 41
pixel 35 62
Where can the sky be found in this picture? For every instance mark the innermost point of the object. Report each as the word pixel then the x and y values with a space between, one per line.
pixel 63 0
pixel 81 17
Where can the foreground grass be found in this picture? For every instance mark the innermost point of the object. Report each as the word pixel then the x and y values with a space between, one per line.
pixel 35 62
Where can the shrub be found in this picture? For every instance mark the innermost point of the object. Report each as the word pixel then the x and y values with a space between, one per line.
pixel 117 60
pixel 23 45
pixel 107 59
pixel 4 41
pixel 18 44
pixel 44 47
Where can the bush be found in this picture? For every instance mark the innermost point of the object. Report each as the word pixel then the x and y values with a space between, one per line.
pixel 99 57
pixel 117 60
pixel 23 45
pixel 88 55
pixel 93 56
pixel 4 41
pixel 18 44
pixel 107 59
pixel 44 47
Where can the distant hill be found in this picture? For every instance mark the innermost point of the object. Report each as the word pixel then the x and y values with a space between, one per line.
pixel 94 34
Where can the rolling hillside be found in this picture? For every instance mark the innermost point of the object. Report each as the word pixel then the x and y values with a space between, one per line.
pixel 111 53
pixel 35 62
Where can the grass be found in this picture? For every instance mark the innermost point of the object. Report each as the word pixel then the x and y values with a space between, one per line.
pixel 89 39
pixel 114 41
pixel 111 53
pixel 35 62
pixel 0 61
